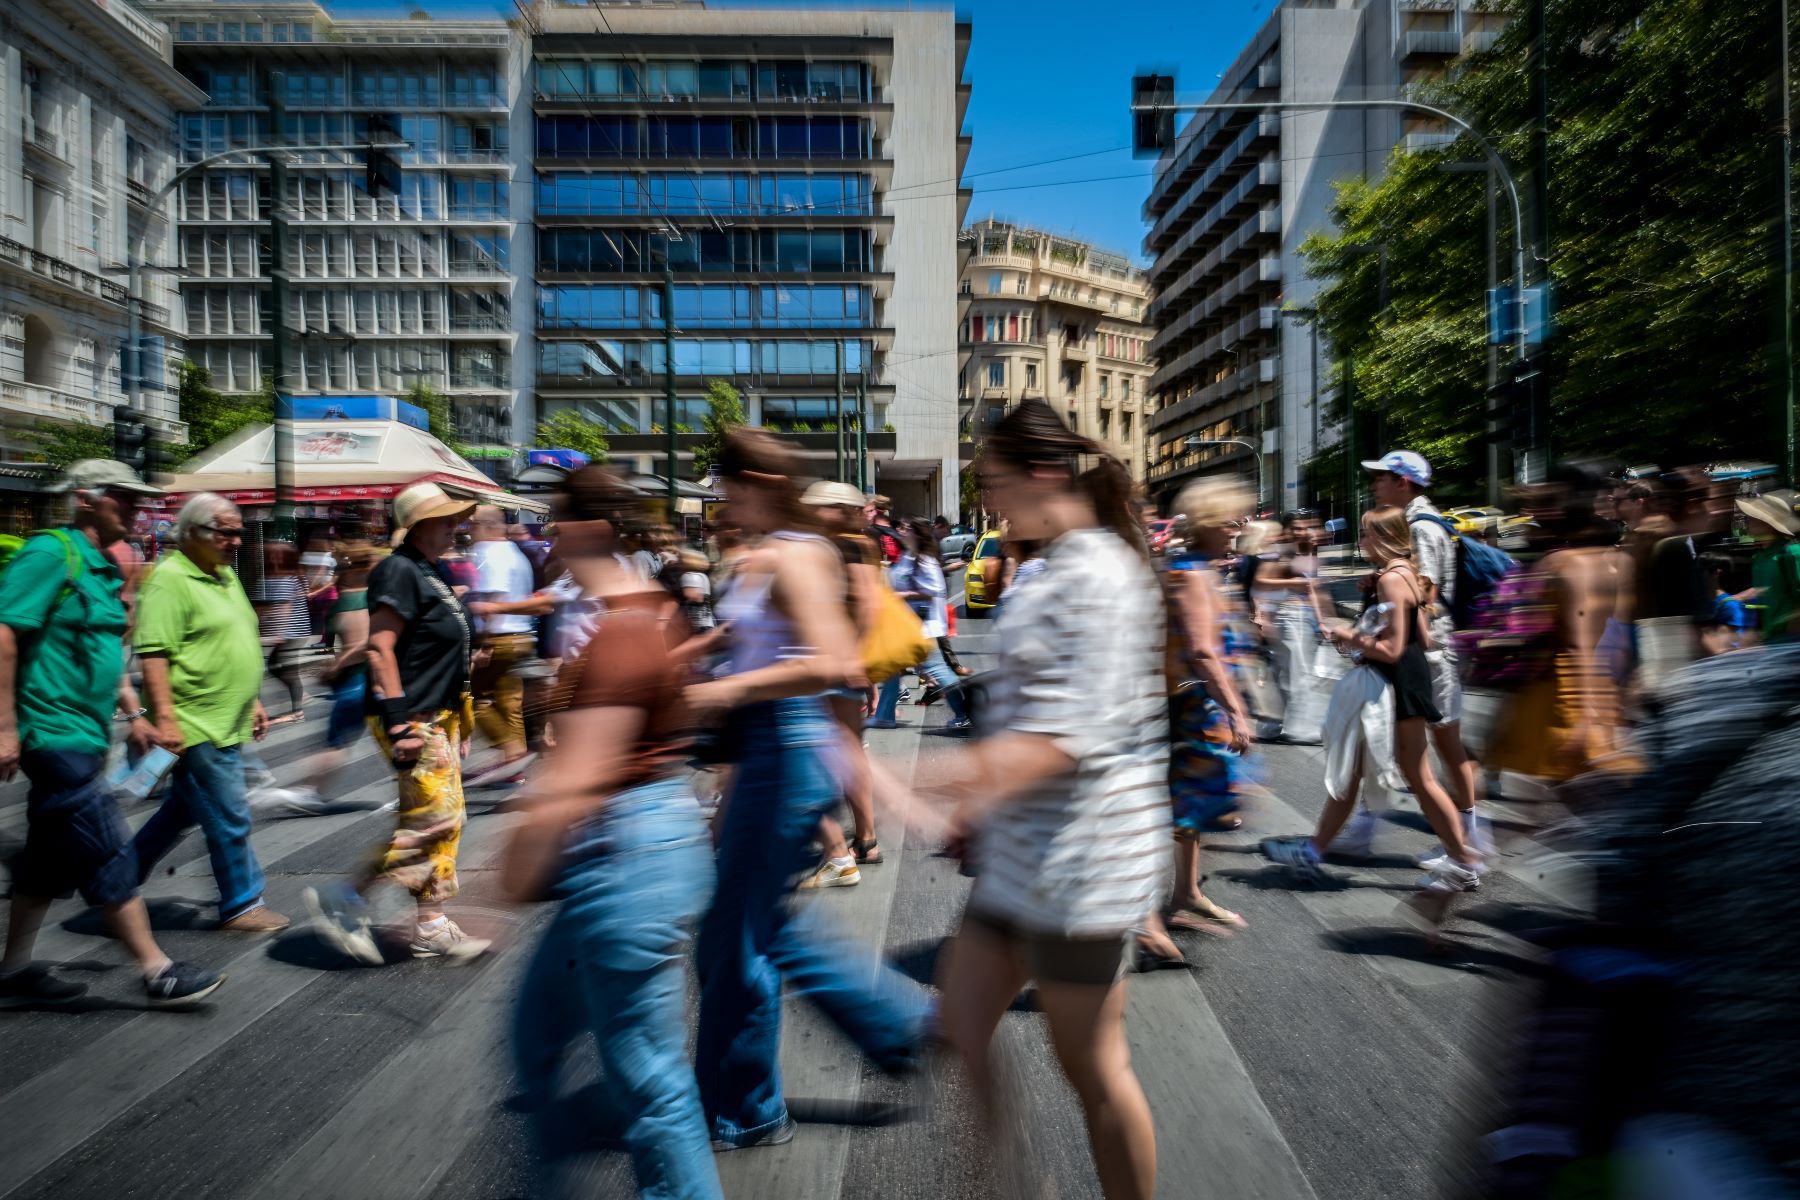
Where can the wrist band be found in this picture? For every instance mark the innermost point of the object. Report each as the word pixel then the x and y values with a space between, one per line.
pixel 395 712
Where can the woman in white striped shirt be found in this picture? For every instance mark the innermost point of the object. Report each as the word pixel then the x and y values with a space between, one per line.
pixel 1064 802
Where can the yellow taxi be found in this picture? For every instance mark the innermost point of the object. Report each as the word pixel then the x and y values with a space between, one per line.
pixel 982 582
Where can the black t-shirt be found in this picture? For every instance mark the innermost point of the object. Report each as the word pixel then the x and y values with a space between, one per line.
pixel 433 648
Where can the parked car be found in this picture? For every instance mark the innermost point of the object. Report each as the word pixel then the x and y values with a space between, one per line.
pixel 1475 519
pixel 958 543
pixel 1158 532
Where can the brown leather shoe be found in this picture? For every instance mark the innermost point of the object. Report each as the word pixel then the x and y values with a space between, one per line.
pixel 255 920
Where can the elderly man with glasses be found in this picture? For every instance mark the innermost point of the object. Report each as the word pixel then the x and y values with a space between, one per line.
pixel 202 656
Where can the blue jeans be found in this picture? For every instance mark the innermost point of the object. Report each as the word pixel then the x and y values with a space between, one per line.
pixel 751 940
pixel 349 713
pixel 206 788
pixel 935 669
pixel 633 884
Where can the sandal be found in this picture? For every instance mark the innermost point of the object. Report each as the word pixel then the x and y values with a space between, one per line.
pixel 868 854
pixel 1146 958
pixel 1205 917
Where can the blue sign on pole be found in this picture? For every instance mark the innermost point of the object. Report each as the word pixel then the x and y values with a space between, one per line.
pixel 1506 309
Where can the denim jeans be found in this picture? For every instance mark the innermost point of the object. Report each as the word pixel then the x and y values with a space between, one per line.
pixel 751 940
pixel 633 884
pixel 933 668
pixel 206 788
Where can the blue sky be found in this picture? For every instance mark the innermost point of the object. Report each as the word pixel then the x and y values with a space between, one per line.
pixel 1052 81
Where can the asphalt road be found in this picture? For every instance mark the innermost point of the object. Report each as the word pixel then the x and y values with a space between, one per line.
pixel 1326 1052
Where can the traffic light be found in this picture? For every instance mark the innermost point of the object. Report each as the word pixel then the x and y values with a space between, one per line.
pixel 1152 114
pixel 131 440
pixel 383 166
pixel 1516 404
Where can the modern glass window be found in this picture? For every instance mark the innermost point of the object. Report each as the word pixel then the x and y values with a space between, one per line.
pixel 815 411
pixel 478 198
pixel 593 360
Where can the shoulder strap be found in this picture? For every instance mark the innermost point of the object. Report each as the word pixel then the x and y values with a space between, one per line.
pixel 1438 519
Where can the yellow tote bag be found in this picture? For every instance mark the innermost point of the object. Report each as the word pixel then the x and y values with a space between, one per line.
pixel 895 641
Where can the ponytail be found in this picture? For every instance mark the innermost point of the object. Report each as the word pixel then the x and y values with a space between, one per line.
pixel 1108 488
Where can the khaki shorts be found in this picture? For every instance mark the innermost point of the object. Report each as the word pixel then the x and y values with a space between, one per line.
pixel 1051 958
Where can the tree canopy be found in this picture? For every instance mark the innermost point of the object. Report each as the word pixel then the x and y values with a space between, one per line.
pixel 724 412
pixel 569 430
pixel 1663 188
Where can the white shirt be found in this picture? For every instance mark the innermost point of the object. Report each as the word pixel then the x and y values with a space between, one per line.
pixel 1081 660
pixel 1434 554
pixel 502 573
pixel 925 576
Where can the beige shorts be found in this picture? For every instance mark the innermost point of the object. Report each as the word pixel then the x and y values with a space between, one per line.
pixel 1446 685
pixel 1050 958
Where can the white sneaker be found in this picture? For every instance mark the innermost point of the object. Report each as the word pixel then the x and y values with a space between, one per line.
pixel 1476 835
pixel 1357 838
pixel 341 919
pixel 447 941
pixel 832 874
pixel 1448 875
pixel 285 802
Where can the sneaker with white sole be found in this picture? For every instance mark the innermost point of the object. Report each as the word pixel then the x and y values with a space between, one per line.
pixel 832 874
pixel 447 941
pixel 1448 875
pixel 341 920
pixel 1296 854
pixel 180 984
pixel 1476 835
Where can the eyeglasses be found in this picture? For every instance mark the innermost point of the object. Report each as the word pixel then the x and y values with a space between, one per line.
pixel 224 534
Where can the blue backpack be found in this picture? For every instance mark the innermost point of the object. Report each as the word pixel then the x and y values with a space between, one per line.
pixel 1479 569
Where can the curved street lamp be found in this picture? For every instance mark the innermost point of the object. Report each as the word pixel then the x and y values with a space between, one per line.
pixel 1191 442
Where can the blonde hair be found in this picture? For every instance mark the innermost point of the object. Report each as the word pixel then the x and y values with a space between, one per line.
pixel 1388 534
pixel 1213 502
pixel 1256 536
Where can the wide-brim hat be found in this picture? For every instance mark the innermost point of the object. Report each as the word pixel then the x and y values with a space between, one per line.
pixel 426 502
pixel 830 491
pixel 1774 509
pixel 102 474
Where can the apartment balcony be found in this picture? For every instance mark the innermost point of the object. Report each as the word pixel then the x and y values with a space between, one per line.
pixel 1254 235
pixel 497 326
pixel 1261 320
pixel 42 137
pixel 1418 44
pixel 39 401
pixel 140 193
pixel 1260 183
pixel 994 393
pixel 1423 140
pixel 1080 352
pixel 1232 385
pixel 58 271
pixel 1260 134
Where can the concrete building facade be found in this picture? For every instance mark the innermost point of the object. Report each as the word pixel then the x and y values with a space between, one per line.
pixel 797 173
pixel 88 93
pixel 1052 318
pixel 1239 360
pixel 385 291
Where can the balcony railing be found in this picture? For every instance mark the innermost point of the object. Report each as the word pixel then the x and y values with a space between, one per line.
pixel 1433 42
pixel 480 324
pixel 37 400
pixel 65 273
pixel 151 33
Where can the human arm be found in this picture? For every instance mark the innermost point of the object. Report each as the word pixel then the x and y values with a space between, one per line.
pixel 1392 587
pixel 159 699
pixel 535 605
pixel 1198 602
pixel 9 716
pixel 352 629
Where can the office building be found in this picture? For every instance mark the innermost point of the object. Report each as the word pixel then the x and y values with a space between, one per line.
pixel 1241 381
pixel 88 95
pixel 385 290
pixel 797 173
pixel 1053 318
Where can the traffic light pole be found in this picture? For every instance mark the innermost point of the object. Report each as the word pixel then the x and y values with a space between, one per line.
pixel 285 529
pixel 668 298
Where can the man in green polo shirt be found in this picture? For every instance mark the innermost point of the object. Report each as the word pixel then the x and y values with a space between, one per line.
pixel 202 654
pixel 62 625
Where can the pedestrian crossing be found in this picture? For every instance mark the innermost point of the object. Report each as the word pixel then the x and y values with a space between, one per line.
pixel 1284 1067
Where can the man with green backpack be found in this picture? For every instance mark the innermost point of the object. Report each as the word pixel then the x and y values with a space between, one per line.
pixel 62 679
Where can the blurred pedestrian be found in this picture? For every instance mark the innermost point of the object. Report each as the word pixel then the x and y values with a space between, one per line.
pixel 421 712
pixel 1775 571
pixel 918 579
pixel 199 643
pixel 612 831
pixel 281 601
pixel 1299 603
pixel 839 510
pixel 505 603
pixel 1395 641
pixel 1064 803
pixel 1403 478
pixel 62 659
pixel 792 642
pixel 881 529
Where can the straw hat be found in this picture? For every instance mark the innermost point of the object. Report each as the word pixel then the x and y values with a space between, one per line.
pixel 425 502
pixel 831 492
pixel 1774 509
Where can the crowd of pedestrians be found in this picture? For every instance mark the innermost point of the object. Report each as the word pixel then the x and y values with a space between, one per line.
pixel 680 726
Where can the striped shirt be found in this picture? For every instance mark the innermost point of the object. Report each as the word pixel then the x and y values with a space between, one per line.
pixel 1085 854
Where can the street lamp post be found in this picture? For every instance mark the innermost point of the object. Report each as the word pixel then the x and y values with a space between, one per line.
pixel 1192 442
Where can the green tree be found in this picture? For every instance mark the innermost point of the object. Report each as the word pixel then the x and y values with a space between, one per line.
pixel 440 417
pixel 724 412
pixel 59 445
pixel 210 415
pixel 569 430
pixel 1662 187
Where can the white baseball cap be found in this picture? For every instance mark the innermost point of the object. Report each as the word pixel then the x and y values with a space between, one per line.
pixel 1403 463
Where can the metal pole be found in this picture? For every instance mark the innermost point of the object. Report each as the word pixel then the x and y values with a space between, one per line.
pixel 1313 325
pixel 284 421
pixel 838 359
pixel 1787 248
pixel 1493 352
pixel 668 297
pixel 862 434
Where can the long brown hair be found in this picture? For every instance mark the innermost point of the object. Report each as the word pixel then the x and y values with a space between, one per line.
pixel 928 543
pixel 754 457
pixel 1032 435
pixel 1390 540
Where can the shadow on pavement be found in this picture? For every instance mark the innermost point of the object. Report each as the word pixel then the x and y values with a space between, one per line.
pixel 1452 951
pixel 166 913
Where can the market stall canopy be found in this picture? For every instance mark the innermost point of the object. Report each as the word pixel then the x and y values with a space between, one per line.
pixel 338 461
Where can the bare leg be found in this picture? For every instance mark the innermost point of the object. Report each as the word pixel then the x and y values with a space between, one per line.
pixel 1087 1029
pixel 22 923
pixel 979 980
pixel 1409 755
pixel 858 789
pixel 831 837
pixel 1461 773
pixel 1337 812
pixel 1192 909
pixel 131 921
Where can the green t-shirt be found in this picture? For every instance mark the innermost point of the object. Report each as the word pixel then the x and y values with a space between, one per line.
pixel 1776 572
pixel 71 630
pixel 205 626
